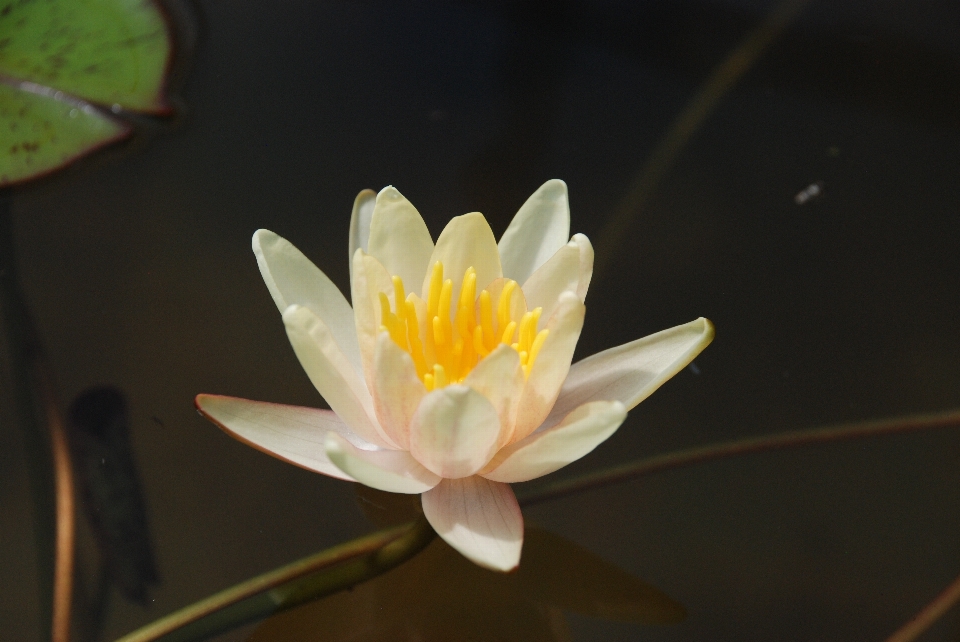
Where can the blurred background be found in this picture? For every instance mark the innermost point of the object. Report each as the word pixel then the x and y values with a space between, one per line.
pixel 137 265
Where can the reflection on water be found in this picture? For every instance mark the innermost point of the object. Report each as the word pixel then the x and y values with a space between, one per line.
pixel 439 595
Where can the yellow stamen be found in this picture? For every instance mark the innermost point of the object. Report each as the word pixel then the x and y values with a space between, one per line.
pixel 398 294
pixel 486 321
pixel 535 350
pixel 503 307
pixel 455 337
pixel 413 337
pixel 436 282
pixel 508 333
pixel 478 344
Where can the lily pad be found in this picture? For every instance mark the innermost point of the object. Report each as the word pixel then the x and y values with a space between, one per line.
pixel 65 66
pixel 43 130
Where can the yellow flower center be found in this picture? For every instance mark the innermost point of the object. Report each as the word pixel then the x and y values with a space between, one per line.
pixel 452 341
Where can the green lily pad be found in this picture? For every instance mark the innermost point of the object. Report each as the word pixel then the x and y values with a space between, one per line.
pixel 66 66
pixel 103 51
pixel 42 131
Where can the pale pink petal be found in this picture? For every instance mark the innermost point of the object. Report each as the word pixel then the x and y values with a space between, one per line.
pixel 397 390
pixel 569 270
pixel 332 375
pixel 546 451
pixel 368 280
pixel 551 366
pixel 393 471
pixel 466 241
pixel 539 229
pixel 632 372
pixel 294 280
pixel 399 238
pixel 479 518
pixel 454 431
pixel 290 433
pixel 360 223
pixel 499 377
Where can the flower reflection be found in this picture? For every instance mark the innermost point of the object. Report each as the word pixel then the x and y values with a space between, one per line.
pixel 461 386
pixel 440 596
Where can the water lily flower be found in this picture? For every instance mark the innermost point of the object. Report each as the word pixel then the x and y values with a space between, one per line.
pixel 450 376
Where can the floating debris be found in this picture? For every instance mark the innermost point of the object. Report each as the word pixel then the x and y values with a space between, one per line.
pixel 808 193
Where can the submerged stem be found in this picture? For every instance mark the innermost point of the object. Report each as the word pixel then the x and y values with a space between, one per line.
pixel 700 454
pixel 929 614
pixel 310 578
pixel 48 456
pixel 724 76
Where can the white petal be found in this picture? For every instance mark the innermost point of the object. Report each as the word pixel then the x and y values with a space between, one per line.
pixel 544 452
pixel 631 372
pixel 294 280
pixel 569 270
pixel 393 471
pixel 466 241
pixel 332 376
pixel 368 280
pixel 399 238
pixel 291 433
pixel 551 366
pixel 454 431
pixel 586 264
pixel 397 390
pixel 479 518
pixel 360 223
pixel 539 229
pixel 499 377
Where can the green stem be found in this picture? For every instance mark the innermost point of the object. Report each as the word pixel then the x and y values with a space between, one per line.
pixel 311 578
pixel 22 350
pixel 701 454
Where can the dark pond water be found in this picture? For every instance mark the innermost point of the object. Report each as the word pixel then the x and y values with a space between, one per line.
pixel 138 268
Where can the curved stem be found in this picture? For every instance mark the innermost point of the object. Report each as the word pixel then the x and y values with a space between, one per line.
pixel 930 614
pixel 51 469
pixel 686 124
pixel 63 570
pixel 310 578
pixel 680 458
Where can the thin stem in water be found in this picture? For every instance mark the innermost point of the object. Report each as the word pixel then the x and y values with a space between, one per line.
pixel 319 575
pixel 686 125
pixel 929 614
pixel 681 458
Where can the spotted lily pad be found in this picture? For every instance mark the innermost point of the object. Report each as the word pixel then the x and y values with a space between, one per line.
pixel 65 67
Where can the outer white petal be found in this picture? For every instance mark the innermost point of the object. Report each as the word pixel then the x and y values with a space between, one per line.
pixel 539 229
pixel 291 433
pixel 397 390
pixel 479 518
pixel 499 377
pixel 368 280
pixel 294 280
pixel 332 376
pixel 544 452
pixel 569 270
pixel 466 241
pixel 631 372
pixel 393 471
pixel 399 238
pixel 360 223
pixel 454 431
pixel 551 366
